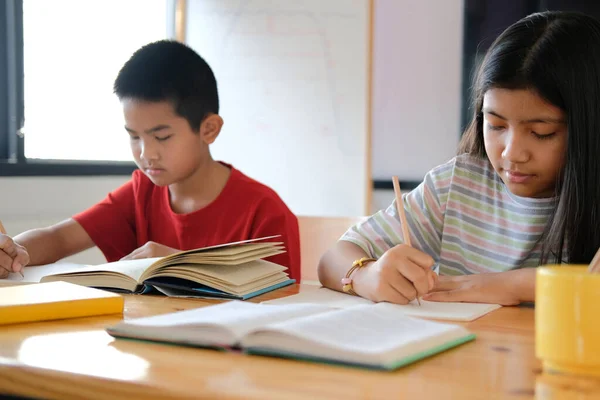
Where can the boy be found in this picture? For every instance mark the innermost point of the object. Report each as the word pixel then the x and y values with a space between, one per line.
pixel 180 198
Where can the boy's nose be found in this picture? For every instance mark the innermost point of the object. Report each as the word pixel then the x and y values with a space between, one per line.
pixel 148 152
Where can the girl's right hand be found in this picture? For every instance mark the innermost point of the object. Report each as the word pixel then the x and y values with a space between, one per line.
pixel 399 276
pixel 13 256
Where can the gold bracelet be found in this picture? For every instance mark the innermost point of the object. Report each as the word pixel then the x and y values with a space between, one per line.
pixel 347 281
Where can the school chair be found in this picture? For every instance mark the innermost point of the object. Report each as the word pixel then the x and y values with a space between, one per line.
pixel 317 234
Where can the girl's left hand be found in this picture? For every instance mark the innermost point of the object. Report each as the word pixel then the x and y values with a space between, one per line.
pixel 505 288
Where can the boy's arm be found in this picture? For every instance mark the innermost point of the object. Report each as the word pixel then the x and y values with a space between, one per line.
pixel 50 244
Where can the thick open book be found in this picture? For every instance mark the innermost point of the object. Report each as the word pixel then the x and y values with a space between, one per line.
pixel 372 336
pixel 233 270
pixel 463 312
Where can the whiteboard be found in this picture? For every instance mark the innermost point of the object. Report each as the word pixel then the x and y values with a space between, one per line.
pixel 293 79
pixel 417 92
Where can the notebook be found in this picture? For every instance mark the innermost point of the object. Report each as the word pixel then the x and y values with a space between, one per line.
pixel 232 270
pixel 462 312
pixel 55 300
pixel 370 336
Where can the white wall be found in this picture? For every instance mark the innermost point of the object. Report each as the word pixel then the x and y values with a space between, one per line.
pixel 293 81
pixel 32 202
pixel 416 113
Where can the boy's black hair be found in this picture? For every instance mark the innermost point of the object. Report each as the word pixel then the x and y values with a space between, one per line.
pixel 170 71
pixel 555 54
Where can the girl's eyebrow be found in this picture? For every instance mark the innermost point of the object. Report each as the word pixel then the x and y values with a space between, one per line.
pixel 545 120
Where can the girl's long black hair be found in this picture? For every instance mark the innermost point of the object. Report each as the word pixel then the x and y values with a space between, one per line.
pixel 557 55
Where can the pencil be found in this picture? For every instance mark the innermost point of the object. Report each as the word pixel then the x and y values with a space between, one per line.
pixel 3 231
pixel 595 264
pixel 402 215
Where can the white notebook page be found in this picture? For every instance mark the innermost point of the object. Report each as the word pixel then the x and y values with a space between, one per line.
pixel 427 309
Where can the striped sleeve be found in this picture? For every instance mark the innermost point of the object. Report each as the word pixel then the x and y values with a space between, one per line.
pixel 424 208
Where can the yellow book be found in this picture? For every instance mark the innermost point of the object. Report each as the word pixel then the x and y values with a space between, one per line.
pixel 55 300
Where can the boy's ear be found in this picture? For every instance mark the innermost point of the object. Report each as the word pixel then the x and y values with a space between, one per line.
pixel 210 128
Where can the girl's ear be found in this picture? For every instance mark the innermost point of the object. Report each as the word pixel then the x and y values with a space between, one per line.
pixel 210 128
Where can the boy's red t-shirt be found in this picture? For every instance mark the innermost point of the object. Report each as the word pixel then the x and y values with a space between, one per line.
pixel 139 211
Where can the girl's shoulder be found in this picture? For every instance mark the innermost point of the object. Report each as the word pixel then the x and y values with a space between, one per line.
pixel 467 174
pixel 465 165
pixel 476 165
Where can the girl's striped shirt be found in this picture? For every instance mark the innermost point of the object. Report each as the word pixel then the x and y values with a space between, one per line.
pixel 462 215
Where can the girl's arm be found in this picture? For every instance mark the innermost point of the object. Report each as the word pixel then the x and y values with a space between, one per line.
pixel 525 284
pixel 401 272
pixel 336 262
pixel 400 275
pixel 506 288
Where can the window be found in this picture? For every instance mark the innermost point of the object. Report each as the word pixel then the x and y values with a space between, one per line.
pixel 59 76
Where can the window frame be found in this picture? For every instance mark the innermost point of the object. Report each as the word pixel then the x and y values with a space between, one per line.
pixel 12 143
pixel 13 162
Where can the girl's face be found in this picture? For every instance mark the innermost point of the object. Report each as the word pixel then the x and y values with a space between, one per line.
pixel 525 139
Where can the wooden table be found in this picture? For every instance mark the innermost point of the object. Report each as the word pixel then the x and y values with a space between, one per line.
pixel 76 358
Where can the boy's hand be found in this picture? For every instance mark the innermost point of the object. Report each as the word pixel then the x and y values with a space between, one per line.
pixel 13 256
pixel 398 276
pixel 149 250
pixel 505 288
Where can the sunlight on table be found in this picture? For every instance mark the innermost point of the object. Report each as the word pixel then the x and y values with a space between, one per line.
pixel 88 353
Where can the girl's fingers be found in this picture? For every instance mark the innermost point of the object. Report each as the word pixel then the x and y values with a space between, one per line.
pixel 446 283
pixel 403 286
pixel 392 295
pixel 418 277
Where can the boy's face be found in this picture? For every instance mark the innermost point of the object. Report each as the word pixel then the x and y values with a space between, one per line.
pixel 163 144
pixel 525 139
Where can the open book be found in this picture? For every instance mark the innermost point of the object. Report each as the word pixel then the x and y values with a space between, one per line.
pixel 232 270
pixel 463 312
pixel 372 336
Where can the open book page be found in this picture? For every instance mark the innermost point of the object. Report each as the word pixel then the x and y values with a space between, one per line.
pixel 131 268
pixel 194 260
pixel 241 290
pixel 371 334
pixel 233 251
pixel 221 324
pixel 209 280
pixel 234 274
pixel 427 309
pixel 34 274
pixel 227 260
pixel 320 295
pixel 226 247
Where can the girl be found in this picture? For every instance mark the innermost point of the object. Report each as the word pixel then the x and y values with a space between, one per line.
pixel 523 191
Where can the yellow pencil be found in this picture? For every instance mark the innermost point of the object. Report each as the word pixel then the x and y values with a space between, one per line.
pixel 3 231
pixel 403 222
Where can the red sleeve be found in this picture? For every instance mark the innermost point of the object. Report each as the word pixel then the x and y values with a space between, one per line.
pixel 284 223
pixel 111 222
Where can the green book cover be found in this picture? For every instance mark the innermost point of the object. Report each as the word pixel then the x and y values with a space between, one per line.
pixel 388 367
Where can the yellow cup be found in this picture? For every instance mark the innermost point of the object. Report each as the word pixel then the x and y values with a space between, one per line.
pixel 567 319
